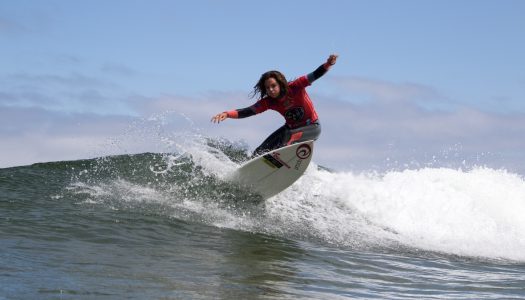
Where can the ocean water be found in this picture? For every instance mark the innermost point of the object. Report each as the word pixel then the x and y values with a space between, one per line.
pixel 168 226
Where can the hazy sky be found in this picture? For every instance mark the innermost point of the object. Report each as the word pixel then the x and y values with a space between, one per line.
pixel 417 83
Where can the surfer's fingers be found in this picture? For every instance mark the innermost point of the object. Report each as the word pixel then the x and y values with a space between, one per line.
pixel 219 117
pixel 332 59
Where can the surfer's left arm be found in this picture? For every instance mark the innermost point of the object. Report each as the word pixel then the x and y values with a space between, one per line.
pixel 322 68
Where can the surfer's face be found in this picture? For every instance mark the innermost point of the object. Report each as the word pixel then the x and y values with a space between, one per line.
pixel 272 87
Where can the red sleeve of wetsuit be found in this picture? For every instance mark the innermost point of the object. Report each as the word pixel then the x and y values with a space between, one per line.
pixel 233 114
pixel 300 82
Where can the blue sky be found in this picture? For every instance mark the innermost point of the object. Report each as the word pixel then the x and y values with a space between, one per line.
pixel 416 81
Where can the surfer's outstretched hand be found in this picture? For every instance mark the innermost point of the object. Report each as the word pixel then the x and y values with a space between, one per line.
pixel 332 59
pixel 219 117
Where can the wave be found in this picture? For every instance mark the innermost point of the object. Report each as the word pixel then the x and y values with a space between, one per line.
pixel 475 213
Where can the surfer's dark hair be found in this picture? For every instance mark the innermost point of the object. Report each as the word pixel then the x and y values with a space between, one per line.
pixel 260 89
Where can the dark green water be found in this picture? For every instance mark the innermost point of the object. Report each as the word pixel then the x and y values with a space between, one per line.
pixel 154 226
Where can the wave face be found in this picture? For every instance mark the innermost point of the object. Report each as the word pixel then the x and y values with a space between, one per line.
pixel 474 213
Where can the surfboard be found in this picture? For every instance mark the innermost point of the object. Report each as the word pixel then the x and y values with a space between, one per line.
pixel 273 172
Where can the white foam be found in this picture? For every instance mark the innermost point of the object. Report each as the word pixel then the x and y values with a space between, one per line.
pixel 474 213
pixel 212 161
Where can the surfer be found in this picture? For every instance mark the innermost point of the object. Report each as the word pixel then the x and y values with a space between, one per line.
pixel 290 100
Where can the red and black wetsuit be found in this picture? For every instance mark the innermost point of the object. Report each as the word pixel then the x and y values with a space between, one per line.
pixel 302 122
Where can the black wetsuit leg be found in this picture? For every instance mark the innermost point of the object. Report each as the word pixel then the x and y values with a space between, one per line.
pixel 276 140
pixel 284 136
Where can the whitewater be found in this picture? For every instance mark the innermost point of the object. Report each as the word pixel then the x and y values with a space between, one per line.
pixel 475 213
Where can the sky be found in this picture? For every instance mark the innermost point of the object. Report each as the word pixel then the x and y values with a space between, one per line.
pixel 417 83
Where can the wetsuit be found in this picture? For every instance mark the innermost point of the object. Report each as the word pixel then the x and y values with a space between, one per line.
pixel 302 123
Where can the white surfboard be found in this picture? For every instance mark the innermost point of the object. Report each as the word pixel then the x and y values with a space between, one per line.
pixel 271 173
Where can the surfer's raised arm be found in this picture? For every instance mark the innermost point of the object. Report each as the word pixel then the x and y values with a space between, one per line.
pixel 332 59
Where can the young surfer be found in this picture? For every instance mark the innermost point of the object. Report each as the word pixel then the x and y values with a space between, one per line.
pixel 290 100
